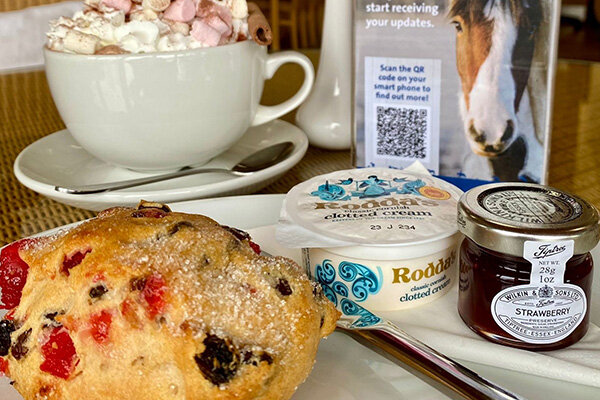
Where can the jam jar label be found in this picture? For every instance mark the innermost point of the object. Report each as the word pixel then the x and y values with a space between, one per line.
pixel 547 310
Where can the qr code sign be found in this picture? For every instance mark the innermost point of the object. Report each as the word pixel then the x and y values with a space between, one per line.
pixel 402 132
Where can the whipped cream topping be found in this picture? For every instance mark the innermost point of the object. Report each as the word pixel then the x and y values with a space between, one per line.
pixel 144 26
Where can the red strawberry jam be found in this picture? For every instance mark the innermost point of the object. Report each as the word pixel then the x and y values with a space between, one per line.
pixel 154 294
pixel 13 274
pixel 100 326
pixel 73 260
pixel 60 357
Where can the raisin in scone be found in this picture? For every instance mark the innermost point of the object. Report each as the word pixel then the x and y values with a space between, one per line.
pixel 151 304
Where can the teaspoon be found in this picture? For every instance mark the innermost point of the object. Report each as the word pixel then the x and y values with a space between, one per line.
pixel 257 161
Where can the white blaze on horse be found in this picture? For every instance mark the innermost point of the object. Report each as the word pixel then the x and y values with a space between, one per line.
pixel 503 98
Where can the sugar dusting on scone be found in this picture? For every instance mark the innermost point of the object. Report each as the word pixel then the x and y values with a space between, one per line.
pixel 151 304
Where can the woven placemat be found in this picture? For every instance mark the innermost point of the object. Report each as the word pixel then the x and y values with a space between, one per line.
pixel 13 5
pixel 575 144
pixel 27 113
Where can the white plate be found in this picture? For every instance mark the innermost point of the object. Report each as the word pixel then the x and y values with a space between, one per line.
pixel 344 369
pixel 58 160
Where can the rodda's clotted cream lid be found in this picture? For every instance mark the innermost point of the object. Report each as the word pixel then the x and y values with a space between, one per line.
pixel 369 207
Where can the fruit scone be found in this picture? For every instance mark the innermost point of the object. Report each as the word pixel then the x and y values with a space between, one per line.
pixel 151 304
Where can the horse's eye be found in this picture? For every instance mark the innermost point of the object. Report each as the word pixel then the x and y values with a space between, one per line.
pixel 457 26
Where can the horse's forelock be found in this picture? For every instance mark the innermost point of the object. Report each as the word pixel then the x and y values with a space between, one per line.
pixel 527 12
pixel 470 10
pixel 524 12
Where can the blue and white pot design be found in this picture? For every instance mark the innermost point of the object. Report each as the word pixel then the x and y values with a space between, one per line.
pixel 356 278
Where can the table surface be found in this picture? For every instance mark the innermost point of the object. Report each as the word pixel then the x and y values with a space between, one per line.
pixel 27 113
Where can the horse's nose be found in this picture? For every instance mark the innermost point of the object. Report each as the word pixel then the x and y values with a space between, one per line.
pixel 497 148
pixel 508 132
pixel 478 137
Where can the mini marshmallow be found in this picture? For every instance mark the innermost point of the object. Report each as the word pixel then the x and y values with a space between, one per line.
pixel 164 44
pixel 207 8
pixel 156 5
pixel 92 3
pixel 203 7
pixel 224 13
pixel 144 31
pixel 56 44
pixel 240 29
pixel 204 33
pixel 173 42
pixel 117 19
pixel 239 9
pixel 163 27
pixel 60 32
pixel 144 15
pixel 81 43
pixel 63 21
pixel 136 25
pixel 56 37
pixel 181 11
pixel 123 5
pixel 150 15
pixel 219 25
pixel 140 15
pixel 179 27
pixel 130 43
pixel 101 25
pixel 111 49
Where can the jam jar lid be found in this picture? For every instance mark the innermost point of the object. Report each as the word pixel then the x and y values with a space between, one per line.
pixel 502 216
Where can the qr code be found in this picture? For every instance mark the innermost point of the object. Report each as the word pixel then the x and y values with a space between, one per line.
pixel 402 132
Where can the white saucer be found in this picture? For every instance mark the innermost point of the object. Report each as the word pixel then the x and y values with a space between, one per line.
pixel 57 159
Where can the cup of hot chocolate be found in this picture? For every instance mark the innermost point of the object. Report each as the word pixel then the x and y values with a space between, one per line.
pixel 142 91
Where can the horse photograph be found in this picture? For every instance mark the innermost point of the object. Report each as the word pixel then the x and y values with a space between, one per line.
pixel 502 97
pixel 464 87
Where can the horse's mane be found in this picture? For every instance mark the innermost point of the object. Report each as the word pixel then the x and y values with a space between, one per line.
pixel 524 12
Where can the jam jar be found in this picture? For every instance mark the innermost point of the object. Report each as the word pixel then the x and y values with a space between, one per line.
pixel 525 265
